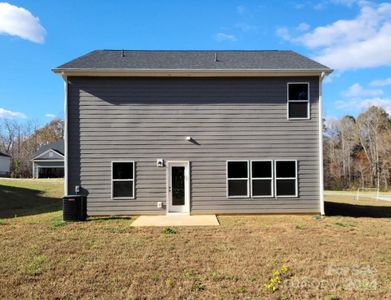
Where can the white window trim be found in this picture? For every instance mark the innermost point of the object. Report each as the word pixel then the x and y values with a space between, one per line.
pixel 248 179
pixel 286 178
pixel 262 178
pixel 133 180
pixel 303 101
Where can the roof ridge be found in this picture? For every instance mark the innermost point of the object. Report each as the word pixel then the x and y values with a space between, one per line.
pixel 186 50
pixel 268 59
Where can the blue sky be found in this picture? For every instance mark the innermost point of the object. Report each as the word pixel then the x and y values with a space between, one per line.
pixel 352 37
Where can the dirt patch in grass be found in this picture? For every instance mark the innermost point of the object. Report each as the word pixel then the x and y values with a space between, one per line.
pixel 326 258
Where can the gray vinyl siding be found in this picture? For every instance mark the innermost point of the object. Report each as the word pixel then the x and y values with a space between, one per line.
pixel 143 119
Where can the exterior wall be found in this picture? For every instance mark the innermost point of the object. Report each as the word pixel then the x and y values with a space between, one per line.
pixel 143 119
pixel 5 162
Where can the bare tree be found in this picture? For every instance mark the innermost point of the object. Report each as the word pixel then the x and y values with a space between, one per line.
pixel 348 141
pixel 372 126
pixel 22 140
pixel 358 152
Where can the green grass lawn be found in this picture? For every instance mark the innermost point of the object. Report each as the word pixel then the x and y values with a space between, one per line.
pixel 336 257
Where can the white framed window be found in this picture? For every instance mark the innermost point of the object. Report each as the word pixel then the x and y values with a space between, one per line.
pixel 285 180
pixel 298 100
pixel 238 179
pixel 262 178
pixel 122 179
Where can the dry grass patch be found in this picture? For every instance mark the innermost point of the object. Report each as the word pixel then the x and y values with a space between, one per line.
pixel 107 258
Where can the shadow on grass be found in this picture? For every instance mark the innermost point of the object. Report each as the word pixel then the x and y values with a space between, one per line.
pixel 17 201
pixel 357 211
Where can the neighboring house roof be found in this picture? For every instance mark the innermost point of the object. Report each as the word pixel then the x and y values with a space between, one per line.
pixel 132 60
pixel 56 146
pixel 3 154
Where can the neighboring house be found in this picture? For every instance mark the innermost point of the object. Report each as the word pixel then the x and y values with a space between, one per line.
pixel 156 132
pixel 48 162
pixel 5 163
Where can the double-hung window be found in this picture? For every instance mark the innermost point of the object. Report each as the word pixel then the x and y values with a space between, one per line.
pixel 122 179
pixel 286 178
pixel 298 100
pixel 238 179
pixel 262 178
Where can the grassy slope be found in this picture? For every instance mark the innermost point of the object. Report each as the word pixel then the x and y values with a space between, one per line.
pixel 41 257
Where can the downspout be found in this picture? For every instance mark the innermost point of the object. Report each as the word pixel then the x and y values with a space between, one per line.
pixel 321 183
pixel 65 134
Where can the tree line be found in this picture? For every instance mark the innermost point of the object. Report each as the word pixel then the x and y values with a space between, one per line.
pixel 357 151
pixel 22 140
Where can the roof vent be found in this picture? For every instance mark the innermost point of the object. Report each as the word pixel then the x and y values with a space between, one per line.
pixel 216 59
pixel 123 53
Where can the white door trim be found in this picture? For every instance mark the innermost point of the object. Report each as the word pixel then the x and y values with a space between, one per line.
pixel 186 207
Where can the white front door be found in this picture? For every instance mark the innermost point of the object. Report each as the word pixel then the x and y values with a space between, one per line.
pixel 178 187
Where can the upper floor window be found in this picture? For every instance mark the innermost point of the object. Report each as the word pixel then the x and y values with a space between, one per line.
pixel 298 100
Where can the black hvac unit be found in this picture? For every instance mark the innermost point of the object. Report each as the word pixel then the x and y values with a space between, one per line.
pixel 74 208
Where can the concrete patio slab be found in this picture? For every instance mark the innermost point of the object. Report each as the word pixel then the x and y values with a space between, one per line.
pixel 176 220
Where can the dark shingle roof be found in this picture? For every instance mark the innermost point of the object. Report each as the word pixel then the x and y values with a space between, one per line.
pixel 4 154
pixel 56 146
pixel 193 60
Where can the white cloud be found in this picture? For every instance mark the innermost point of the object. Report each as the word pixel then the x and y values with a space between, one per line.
pixel 319 6
pixel 7 114
pixel 381 82
pixel 303 26
pixel 344 2
pixel 359 98
pixel 283 33
pixel 50 115
pixel 221 37
pixel 360 42
pixel 18 21
pixel 381 102
pixel 363 104
pixel 357 91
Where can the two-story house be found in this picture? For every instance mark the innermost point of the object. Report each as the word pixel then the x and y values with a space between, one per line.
pixel 156 132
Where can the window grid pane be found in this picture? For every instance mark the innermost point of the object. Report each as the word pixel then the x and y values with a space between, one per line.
pixel 122 170
pixel 298 110
pixel 262 187
pixel 298 91
pixel 286 187
pixel 238 188
pixel 237 169
pixel 123 189
pixel 261 169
